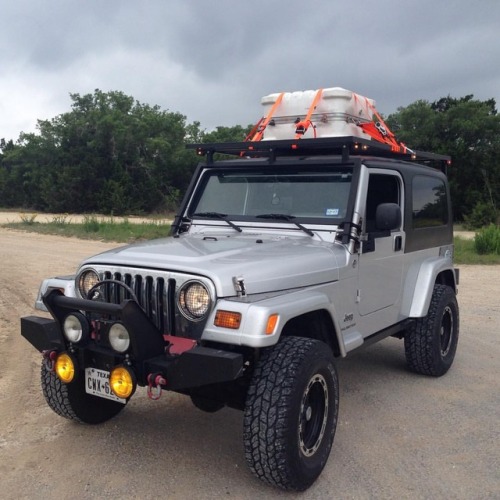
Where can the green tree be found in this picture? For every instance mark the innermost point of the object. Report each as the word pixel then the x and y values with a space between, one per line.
pixel 109 154
pixel 469 131
pixel 236 133
pixel 18 184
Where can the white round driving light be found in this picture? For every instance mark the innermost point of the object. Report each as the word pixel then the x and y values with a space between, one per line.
pixel 119 337
pixel 86 281
pixel 74 327
pixel 194 300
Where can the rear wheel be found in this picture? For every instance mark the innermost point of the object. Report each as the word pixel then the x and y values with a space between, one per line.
pixel 72 402
pixel 291 413
pixel 431 343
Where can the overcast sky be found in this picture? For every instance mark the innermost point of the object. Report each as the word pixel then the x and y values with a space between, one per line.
pixel 212 60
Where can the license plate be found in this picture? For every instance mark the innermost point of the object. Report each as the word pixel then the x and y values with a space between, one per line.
pixel 97 384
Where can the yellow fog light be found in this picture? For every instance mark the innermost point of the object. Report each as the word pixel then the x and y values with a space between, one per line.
pixel 65 367
pixel 122 382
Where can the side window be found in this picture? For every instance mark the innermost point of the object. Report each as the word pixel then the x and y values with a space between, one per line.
pixel 430 207
pixel 381 189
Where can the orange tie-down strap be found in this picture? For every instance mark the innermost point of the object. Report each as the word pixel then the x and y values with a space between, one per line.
pixel 380 131
pixel 303 125
pixel 257 132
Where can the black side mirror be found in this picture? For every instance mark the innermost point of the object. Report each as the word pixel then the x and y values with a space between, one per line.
pixel 388 217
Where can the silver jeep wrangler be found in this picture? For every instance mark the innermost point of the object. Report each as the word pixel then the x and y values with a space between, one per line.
pixel 282 258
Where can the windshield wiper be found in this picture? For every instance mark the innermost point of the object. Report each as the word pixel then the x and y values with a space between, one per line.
pixel 288 218
pixel 217 215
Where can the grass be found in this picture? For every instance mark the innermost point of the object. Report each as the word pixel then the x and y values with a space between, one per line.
pixel 93 228
pixel 466 253
pixel 488 240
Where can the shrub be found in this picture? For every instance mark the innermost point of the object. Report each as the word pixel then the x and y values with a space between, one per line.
pixel 60 220
pixel 28 219
pixel 91 224
pixel 487 240
pixel 482 215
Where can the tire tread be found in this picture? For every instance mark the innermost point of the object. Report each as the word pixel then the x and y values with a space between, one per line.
pixel 72 402
pixel 56 394
pixel 420 341
pixel 266 422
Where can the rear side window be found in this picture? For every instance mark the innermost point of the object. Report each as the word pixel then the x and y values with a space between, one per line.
pixel 430 207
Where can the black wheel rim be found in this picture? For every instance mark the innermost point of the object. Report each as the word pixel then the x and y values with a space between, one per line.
pixel 313 415
pixel 446 334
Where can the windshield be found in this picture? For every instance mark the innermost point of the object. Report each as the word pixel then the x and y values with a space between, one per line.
pixel 317 197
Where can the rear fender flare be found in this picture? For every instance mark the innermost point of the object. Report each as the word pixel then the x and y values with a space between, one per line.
pixel 420 283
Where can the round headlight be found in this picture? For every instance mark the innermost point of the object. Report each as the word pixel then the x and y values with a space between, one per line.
pixel 119 337
pixel 194 300
pixel 75 327
pixel 86 281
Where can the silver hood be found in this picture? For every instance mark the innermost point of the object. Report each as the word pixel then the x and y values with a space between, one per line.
pixel 266 263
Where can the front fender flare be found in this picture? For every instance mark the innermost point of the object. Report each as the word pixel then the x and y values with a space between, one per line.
pixel 256 314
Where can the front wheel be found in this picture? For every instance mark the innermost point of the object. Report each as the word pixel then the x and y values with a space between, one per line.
pixel 291 413
pixel 431 342
pixel 72 402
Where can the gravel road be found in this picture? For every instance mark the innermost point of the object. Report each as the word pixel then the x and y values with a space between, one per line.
pixel 399 436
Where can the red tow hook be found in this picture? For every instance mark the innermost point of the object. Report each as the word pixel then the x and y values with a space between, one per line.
pixel 155 381
pixel 49 358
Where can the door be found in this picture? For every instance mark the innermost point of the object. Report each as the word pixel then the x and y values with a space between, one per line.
pixel 381 257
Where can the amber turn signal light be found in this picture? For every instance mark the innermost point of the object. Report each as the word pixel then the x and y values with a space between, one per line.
pixel 271 324
pixel 227 319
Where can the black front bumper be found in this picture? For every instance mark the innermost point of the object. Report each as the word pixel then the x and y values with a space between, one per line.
pixel 149 351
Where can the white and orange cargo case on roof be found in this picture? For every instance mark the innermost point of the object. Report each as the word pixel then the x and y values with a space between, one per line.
pixel 329 112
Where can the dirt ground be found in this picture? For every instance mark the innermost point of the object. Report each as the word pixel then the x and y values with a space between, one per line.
pixel 399 436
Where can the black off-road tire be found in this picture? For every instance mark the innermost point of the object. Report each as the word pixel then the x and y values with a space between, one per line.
pixel 431 342
pixel 72 402
pixel 291 413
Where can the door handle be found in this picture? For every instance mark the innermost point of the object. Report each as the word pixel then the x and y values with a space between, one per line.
pixel 398 243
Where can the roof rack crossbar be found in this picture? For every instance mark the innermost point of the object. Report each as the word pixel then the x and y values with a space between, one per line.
pixel 345 146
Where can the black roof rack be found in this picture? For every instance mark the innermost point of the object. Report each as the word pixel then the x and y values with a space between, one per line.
pixel 345 146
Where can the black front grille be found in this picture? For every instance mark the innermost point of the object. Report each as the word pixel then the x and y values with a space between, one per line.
pixel 155 295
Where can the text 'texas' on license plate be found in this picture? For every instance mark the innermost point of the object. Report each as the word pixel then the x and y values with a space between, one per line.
pixel 97 384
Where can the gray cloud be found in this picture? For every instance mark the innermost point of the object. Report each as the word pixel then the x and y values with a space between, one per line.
pixel 212 61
